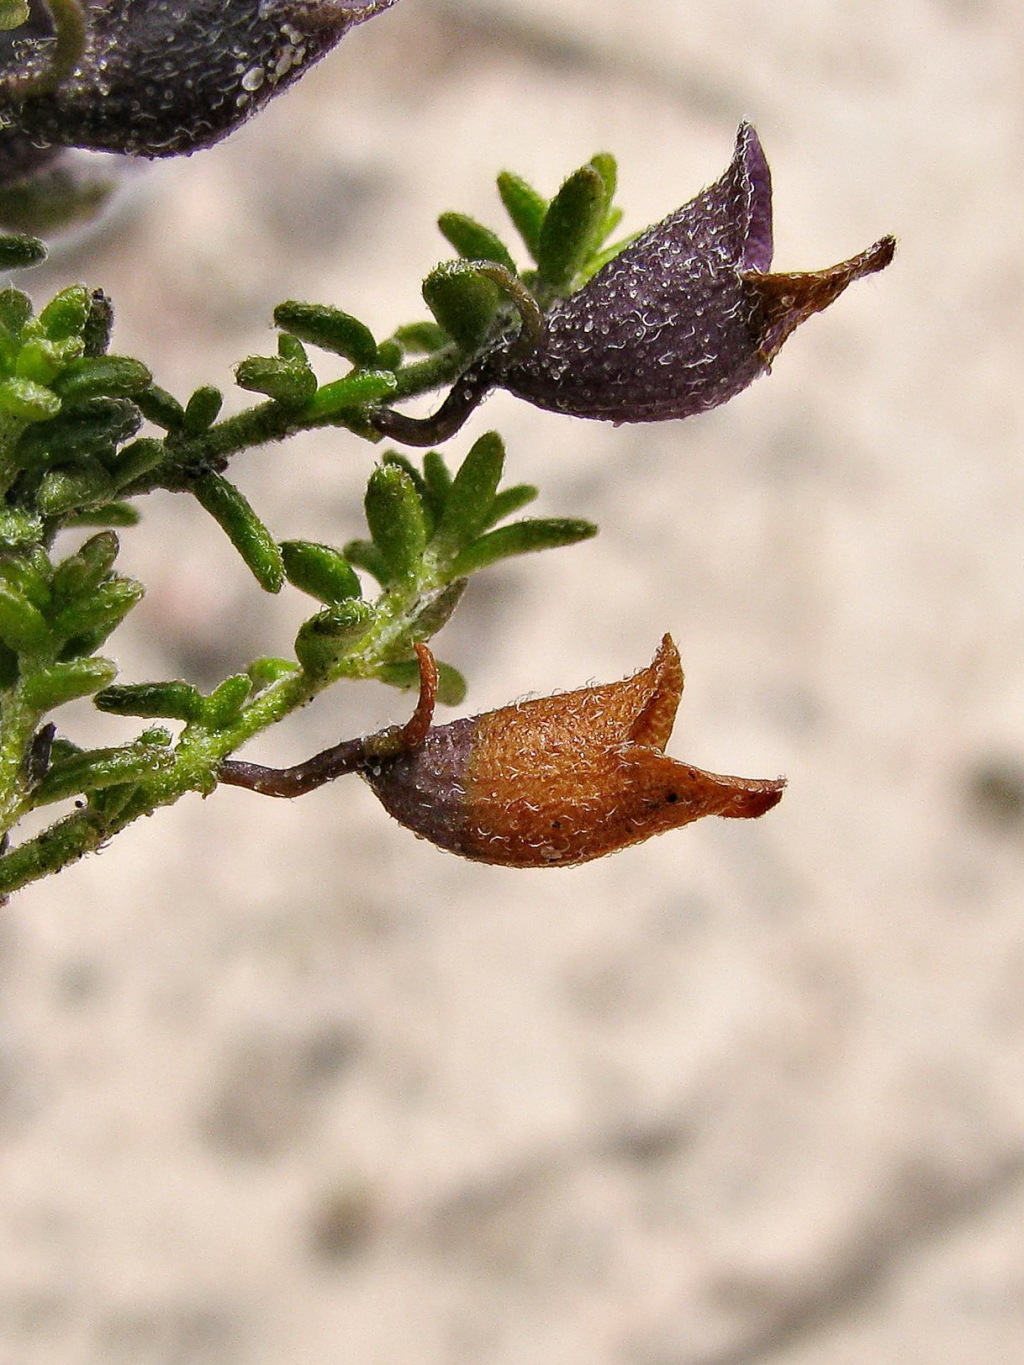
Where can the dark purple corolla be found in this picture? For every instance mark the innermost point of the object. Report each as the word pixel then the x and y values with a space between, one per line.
pixel 157 77
pixel 686 316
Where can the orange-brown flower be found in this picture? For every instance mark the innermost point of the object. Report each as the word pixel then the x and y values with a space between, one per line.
pixel 544 783
pixel 562 779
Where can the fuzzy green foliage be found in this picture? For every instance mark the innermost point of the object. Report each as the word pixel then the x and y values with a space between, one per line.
pixel 85 433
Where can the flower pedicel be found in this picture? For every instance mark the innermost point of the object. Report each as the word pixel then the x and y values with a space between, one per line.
pixel 550 782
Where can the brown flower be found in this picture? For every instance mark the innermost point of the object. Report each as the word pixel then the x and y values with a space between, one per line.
pixel 544 783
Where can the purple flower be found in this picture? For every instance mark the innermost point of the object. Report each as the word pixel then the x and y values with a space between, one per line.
pixel 161 77
pixel 686 316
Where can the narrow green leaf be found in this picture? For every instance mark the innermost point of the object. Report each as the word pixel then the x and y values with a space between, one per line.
pixel 95 427
pixel 99 613
pixel 121 514
pixel 421 337
pixel 164 700
pixel 66 313
pixel 365 555
pixel 136 460
pixel 472 493
pixel 17 251
pixel 291 348
pixel 571 224
pixel 22 626
pixel 395 516
pixel 510 500
pixel 15 311
pixel 607 168
pixel 115 376
pixel 224 704
pixel 265 672
pixel 61 683
pixel 95 770
pixel 451 685
pixel 473 241
pixel 233 513
pixel 521 537
pixel 67 490
pixel 525 207
pixel 202 410
pixel 288 382
pixel 18 527
pixel 324 638
pixel 319 570
pixel 29 574
pixel 161 408
pixel 464 303
pixel 25 399
pixel 80 573
pixel 352 392
pixel 437 483
pixel 330 329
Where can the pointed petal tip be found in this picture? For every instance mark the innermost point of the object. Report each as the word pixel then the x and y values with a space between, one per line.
pixel 753 798
pixel 758 245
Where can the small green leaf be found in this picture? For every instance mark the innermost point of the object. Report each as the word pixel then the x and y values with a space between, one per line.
pixel 232 512
pixel 265 672
pixel 96 427
pixel 319 570
pixel 66 313
pixel 80 573
pixel 421 337
pixel 451 685
pixel 510 500
pixel 67 490
pixel 224 704
pixel 473 241
pixel 17 251
pixel 570 227
pixel 288 382
pixel 464 303
pixel 330 329
pixel 121 514
pixel 25 399
pixel 437 483
pixel 161 408
pixel 164 700
pixel 94 770
pixel 136 460
pixel 354 391
pixel 94 617
pixel 395 516
pixel 472 493
pixel 29 574
pixel 18 527
pixel 525 207
pixel 22 626
pixel 365 555
pixel 202 410
pixel 61 683
pixel 15 311
pixel 521 537
pixel 324 638
pixel 115 376
pixel 41 360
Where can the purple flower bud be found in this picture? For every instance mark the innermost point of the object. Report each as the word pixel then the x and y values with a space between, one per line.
pixel 166 77
pixel 686 316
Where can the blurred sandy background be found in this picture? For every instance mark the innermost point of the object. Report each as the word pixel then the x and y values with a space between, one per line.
pixel 281 1084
